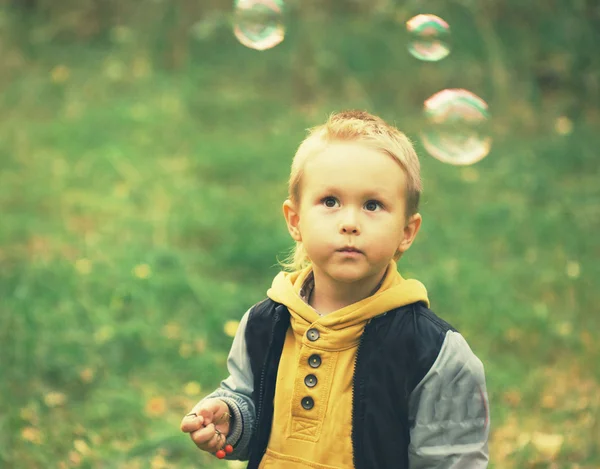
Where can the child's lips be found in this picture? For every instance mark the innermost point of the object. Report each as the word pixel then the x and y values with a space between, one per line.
pixel 350 250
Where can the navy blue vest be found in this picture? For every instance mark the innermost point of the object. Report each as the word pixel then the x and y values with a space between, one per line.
pixel 395 352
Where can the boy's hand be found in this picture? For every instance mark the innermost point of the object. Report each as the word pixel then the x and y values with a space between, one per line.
pixel 208 424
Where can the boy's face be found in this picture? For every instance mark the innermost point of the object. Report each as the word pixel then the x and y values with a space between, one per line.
pixel 352 196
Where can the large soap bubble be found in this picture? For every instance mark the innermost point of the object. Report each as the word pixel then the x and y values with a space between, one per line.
pixel 456 130
pixel 428 37
pixel 258 24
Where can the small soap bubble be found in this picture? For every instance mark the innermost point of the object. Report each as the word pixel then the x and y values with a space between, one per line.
pixel 456 131
pixel 428 37
pixel 258 24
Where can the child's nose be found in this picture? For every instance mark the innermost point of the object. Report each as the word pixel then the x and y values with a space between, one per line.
pixel 349 229
pixel 349 224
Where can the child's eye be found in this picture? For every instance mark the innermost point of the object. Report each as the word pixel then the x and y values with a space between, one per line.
pixel 329 202
pixel 373 205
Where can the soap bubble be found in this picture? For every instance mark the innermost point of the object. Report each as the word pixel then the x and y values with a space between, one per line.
pixel 456 127
pixel 428 37
pixel 258 24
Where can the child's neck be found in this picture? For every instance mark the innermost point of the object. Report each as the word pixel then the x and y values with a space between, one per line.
pixel 328 296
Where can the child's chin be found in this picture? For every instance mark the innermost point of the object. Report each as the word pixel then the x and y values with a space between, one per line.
pixel 348 273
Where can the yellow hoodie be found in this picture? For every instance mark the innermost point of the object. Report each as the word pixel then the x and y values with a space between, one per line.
pixel 312 421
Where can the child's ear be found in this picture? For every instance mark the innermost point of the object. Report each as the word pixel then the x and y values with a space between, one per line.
pixel 410 232
pixel 292 219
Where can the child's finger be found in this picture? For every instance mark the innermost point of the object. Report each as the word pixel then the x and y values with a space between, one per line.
pixel 209 409
pixel 191 423
pixel 206 438
pixel 206 415
pixel 203 435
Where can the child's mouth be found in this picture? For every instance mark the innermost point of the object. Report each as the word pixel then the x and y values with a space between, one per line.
pixel 350 250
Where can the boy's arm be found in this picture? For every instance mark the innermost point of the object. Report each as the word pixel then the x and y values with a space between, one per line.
pixel 236 392
pixel 449 411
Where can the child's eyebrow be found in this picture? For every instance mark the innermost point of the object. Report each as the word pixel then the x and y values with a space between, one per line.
pixel 369 194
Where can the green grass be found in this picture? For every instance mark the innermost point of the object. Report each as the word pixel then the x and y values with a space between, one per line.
pixel 140 211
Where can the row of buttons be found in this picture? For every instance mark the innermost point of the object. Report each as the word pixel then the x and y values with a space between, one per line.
pixel 314 361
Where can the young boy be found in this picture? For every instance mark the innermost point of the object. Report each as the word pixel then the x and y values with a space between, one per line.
pixel 344 365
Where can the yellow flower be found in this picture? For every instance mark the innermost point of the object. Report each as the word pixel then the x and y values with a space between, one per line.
pixel 547 444
pixel 513 334
pixel 231 328
pixel 512 397
pixel 74 458
pixel 192 388
pixel 28 414
pixel 564 329
pixel 82 447
pixel 573 269
pixel 60 74
pixel 185 350
pixel 142 271
pixel 32 435
pixel 55 399
pixel 171 330
pixel 159 462
pixel 549 401
pixel 83 266
pixel 523 440
pixel 86 375
pixel 563 125
pixel 200 345
pixel 156 406
pixel 104 334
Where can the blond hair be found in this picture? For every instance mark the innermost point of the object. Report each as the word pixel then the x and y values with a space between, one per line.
pixel 353 126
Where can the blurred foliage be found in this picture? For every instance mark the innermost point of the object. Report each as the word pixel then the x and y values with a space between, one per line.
pixel 143 160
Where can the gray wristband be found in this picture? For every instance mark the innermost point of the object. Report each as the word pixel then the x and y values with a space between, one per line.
pixel 236 424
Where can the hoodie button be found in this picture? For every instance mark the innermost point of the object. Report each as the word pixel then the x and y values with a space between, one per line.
pixel 312 334
pixel 314 361
pixel 310 381
pixel 308 402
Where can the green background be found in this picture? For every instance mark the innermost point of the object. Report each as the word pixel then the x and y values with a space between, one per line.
pixel 143 161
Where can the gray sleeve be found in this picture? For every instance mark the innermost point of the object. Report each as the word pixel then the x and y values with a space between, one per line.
pixel 236 391
pixel 449 411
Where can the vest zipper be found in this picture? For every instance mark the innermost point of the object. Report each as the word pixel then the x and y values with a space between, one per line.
pixel 261 389
pixel 355 382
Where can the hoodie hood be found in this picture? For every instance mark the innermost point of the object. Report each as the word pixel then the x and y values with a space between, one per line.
pixel 343 328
